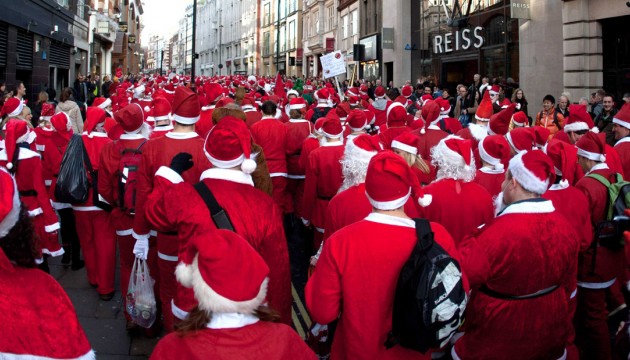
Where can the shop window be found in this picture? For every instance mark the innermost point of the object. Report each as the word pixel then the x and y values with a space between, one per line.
pixel 494 62
pixel 495 31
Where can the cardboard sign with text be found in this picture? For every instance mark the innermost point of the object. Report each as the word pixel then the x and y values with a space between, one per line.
pixel 333 64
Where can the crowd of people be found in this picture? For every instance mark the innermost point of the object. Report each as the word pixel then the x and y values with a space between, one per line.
pixel 206 179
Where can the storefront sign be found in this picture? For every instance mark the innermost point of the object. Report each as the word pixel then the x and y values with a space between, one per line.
pixel 520 9
pixel 371 46
pixel 458 40
pixel 388 38
pixel 122 26
pixel 102 27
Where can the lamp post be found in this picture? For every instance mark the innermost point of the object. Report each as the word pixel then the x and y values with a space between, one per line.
pixel 161 61
pixel 186 44
pixel 194 53
pixel 220 48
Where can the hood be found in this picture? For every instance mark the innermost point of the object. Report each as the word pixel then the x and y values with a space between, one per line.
pixel 67 106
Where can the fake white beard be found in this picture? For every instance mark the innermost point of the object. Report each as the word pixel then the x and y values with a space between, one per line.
pixel 354 172
pixel 499 205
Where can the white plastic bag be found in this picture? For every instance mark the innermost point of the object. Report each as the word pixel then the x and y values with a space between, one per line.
pixel 140 300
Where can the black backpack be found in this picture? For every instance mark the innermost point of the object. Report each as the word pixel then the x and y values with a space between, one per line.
pixel 319 112
pixel 430 296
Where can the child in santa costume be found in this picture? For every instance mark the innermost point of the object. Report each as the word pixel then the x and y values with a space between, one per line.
pixel 229 280
pixel 37 319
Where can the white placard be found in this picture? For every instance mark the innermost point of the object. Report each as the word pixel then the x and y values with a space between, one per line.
pixel 333 64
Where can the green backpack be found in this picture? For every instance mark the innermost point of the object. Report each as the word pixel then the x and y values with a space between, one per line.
pixel 609 232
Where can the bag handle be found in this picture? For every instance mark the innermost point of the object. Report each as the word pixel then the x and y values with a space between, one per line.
pixel 219 216
pixel 424 234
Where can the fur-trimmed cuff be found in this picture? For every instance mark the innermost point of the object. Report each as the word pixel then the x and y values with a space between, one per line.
pixel 52 227
pixel 169 174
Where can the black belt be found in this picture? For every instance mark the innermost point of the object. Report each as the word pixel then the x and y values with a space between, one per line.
pixel 171 233
pixel 495 294
pixel 327 198
pixel 28 193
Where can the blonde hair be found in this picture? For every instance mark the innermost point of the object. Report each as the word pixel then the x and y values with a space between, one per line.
pixel 414 161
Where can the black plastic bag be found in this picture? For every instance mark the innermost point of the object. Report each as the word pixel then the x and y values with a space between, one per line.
pixel 73 184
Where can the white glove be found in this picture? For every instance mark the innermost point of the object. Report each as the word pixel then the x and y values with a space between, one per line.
pixel 141 248
pixel 518 106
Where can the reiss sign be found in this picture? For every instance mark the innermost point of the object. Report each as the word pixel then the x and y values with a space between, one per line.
pixel 459 40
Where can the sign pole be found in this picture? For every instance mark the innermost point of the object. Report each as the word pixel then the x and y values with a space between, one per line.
pixel 341 96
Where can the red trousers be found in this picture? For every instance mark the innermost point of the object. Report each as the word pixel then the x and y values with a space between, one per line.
pixel 295 194
pixel 167 249
pixel 280 192
pixel 96 235
pixel 591 324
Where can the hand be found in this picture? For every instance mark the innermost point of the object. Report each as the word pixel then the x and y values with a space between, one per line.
pixel 141 248
pixel 181 162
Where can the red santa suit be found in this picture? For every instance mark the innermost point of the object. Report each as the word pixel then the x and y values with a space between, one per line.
pixel 490 179
pixel 38 319
pixel 155 154
pixel 623 149
pixel 362 275
pixel 298 130
pixel 431 134
pixel 271 135
pixel 321 108
pixel 205 120
pixel 43 137
pixel 459 206
pixel 244 205
pixel 310 143
pixel 516 254
pixel 227 339
pixel 252 114
pixel 159 131
pixel 94 227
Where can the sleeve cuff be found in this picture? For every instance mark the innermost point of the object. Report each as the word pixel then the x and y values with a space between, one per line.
pixel 139 236
pixel 169 174
pixel 52 227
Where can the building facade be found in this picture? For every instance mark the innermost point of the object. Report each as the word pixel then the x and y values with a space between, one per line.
pixel 319 33
pixel 281 32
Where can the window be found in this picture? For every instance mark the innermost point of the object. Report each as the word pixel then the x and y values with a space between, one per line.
pixel 315 22
pixel 292 6
pixel 266 43
pixel 307 27
pixel 331 17
pixel 63 3
pixel 292 34
pixel 355 22
pixel 80 8
pixel 344 26
pixel 283 38
pixel 267 14
pixel 283 8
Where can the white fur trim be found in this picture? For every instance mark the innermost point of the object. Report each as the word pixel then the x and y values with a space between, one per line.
pixel 563 184
pixel 178 312
pixel 248 166
pixel 477 131
pixel 162 117
pixel 332 136
pixel 53 253
pixel 425 200
pixel 124 232
pixel 105 103
pixel 166 257
pixel 90 355
pixel 404 147
pixel 619 122
pixel 390 220
pixel 186 120
pixel 529 207
pixel 296 106
pixel 389 205
pixel 210 300
pixel 595 285
pixel 169 174
pixel 591 155
pixel 491 170
pixel 526 178
pixel 181 135
pixel 236 176
pixel 35 212
pixel 23 155
pixel 52 227
pixel 231 320
pixel 623 140
pixel 12 217
pixel 354 152
pixel 139 236
pixel 131 136
pixel 482 119
pixel 486 157
pixel 183 273
pixel 17 111
pixel 225 164
pixel 577 126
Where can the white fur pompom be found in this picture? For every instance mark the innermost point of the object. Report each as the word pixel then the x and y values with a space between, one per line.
pixel 595 129
pixel 425 200
pixel 147 108
pixel 248 166
pixel 423 131
pixel 183 273
pixel 602 158
pixel 10 166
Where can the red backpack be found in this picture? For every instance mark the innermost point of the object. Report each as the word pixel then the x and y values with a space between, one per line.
pixel 128 178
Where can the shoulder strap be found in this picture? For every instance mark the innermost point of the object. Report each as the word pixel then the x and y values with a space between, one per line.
pixel 601 179
pixel 424 234
pixel 219 216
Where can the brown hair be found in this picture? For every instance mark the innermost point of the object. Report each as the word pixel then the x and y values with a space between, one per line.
pixel 220 113
pixel 66 94
pixel 19 244
pixel 296 114
pixel 198 319
pixel 239 95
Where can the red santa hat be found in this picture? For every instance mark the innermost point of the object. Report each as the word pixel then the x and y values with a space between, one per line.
pixel 379 92
pixel 93 117
pixel 484 110
pixel 425 98
pixel 12 107
pixel 371 117
pixel 224 101
pixel 564 157
pixel 186 108
pixel 430 114
pixel 343 110
pixel 520 119
pixel 406 91
pixel 213 92
pixel 48 110
pixel 161 109
pixel 533 170
pixel 406 142
pixel 101 102
pixel 130 118
pixel 357 120
pixel 318 126
pixel 455 151
pixel 9 204
pixel 17 131
pixel 251 79
pixel 541 135
pixel 396 115
pixel 445 106
pixel 592 146
pixel 292 92
pixel 62 125
pixel 622 118
pixel 390 182
pixel 500 122
pixel 353 91
pixel 494 150
pixel 362 148
pixel 297 103
pixel 229 144
pixel 494 90
pixel 169 88
pixel 579 119
pixel 226 274
pixel 322 95
pixel 521 139
pixel 331 127
pixel 354 101
pixel 363 89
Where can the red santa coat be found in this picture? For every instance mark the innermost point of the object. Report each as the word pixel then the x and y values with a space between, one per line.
pixel 30 183
pixel 359 268
pixel 52 156
pixel 380 115
pixel 623 149
pixel 386 137
pixel 428 140
pixel 160 131
pixel 253 116
pixel 271 135
pixel 244 205
pixel 323 179
pixel 38 320
pixel 43 137
pixel 459 206
pixel 311 143
pixel 609 264
pixel 310 112
pixel 297 131
pixel 516 254
pixel 205 120
pixel 490 179
pixel 260 340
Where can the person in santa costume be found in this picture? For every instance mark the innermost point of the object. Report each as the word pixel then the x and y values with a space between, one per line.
pixel 396 125
pixel 323 105
pixel 134 137
pixel 298 129
pixel 160 152
pixel 161 112
pixel 459 204
pixel 494 152
pixel 312 142
pixel 573 205
pixel 406 145
pixel 621 128
pixel 105 104
pixel 431 134
pixel 228 148
pixel 519 120
pixel 379 106
pixel 520 139
pixel 248 105
pixel 229 280
pixel 213 93
pixel 323 177
pixel 43 134
pixel 357 122
pixel 26 166
pixel 522 267
pixel 599 266
pixel 356 275
pixel 271 135
pixel 479 129
pixel 94 228
pixel 52 156
pixel 37 319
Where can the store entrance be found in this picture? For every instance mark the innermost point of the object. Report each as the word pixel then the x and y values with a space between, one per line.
pixel 458 72
pixel 616 49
